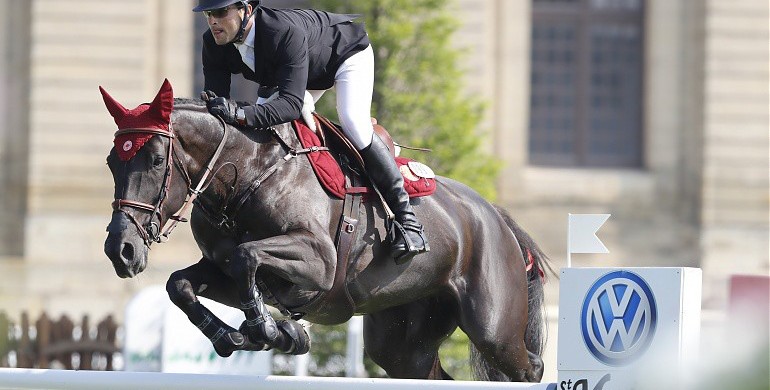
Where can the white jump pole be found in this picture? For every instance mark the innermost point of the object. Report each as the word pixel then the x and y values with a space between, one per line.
pixel 23 379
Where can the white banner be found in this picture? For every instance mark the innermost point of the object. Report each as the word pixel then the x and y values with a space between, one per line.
pixel 617 326
pixel 186 349
pixel 144 330
pixel 159 337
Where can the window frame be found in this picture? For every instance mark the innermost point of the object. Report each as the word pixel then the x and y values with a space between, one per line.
pixel 581 14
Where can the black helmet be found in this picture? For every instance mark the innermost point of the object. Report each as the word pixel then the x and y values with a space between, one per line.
pixel 208 5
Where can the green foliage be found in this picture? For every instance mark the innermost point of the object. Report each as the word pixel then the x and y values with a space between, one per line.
pixel 454 355
pixel 327 352
pixel 418 92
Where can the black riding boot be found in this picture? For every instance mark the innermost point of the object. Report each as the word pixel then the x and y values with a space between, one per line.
pixel 406 235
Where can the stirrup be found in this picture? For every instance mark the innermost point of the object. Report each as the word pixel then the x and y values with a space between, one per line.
pixel 402 248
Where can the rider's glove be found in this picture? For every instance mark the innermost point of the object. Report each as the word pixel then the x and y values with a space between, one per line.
pixel 221 107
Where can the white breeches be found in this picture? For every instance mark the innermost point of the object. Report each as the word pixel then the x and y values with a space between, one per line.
pixel 354 84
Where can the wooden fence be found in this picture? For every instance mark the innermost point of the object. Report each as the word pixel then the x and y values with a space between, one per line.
pixel 47 343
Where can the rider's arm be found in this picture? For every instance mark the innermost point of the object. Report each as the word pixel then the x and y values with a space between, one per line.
pixel 291 78
pixel 266 94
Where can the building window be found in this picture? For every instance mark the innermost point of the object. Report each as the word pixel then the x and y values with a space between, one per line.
pixel 586 99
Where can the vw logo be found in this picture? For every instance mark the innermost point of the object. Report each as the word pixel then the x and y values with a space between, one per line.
pixel 618 318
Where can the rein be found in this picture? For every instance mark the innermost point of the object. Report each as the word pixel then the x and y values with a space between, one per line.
pixel 228 223
pixel 152 231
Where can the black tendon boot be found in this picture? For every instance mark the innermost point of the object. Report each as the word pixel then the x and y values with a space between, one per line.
pixel 406 235
pixel 260 324
pixel 225 339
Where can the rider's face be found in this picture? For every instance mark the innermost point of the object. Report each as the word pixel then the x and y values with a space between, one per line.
pixel 225 25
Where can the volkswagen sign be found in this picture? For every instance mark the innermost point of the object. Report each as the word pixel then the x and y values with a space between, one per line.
pixel 618 318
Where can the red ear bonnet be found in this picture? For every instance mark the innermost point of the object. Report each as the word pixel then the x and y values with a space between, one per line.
pixel 156 115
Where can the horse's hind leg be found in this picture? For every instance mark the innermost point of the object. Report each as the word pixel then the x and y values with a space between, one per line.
pixel 405 340
pixel 495 320
pixel 206 279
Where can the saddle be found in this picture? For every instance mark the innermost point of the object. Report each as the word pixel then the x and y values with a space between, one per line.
pixel 419 180
pixel 340 170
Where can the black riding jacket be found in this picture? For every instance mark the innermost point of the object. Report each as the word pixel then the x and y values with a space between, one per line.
pixel 294 50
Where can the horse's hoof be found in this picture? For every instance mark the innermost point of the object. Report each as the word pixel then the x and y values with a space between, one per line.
pixel 266 331
pixel 294 339
pixel 251 344
pixel 229 343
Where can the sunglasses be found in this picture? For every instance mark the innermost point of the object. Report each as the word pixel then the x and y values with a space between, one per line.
pixel 219 12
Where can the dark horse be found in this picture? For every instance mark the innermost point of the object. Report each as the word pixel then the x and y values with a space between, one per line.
pixel 283 235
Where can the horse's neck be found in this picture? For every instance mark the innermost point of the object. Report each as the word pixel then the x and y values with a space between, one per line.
pixel 246 154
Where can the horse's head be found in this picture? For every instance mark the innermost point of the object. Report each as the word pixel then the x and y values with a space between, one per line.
pixel 141 166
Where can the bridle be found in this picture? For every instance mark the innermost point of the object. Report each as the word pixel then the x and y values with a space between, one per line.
pixel 156 232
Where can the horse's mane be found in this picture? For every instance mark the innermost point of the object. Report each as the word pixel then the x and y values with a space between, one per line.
pixel 195 107
pixel 189 104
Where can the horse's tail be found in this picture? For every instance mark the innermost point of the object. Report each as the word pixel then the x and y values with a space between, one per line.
pixel 536 332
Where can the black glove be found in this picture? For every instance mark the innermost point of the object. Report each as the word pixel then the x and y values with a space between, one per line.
pixel 221 107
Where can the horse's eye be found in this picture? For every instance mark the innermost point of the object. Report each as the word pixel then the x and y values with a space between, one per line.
pixel 158 161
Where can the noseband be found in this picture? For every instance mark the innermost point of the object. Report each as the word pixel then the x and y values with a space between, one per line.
pixel 152 231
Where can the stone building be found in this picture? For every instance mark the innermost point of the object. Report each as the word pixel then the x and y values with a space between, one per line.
pixel 654 111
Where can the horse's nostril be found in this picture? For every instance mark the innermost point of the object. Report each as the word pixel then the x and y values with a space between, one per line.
pixel 127 252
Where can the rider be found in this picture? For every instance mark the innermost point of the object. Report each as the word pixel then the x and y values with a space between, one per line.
pixel 293 51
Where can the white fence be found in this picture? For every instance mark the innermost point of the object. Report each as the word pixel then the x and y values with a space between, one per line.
pixel 17 379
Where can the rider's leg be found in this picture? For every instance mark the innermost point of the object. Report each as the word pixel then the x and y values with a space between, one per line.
pixel 407 236
pixel 354 83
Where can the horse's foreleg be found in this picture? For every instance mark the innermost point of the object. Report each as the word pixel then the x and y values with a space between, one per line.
pixel 184 285
pixel 260 325
pixel 296 256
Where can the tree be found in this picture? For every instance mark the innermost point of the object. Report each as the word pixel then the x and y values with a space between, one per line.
pixel 418 92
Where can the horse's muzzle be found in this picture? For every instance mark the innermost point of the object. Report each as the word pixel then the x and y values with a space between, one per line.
pixel 125 247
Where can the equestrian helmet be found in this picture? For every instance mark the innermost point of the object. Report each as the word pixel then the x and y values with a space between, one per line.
pixel 208 5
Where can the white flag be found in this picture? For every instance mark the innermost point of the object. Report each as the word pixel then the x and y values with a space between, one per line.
pixel 582 233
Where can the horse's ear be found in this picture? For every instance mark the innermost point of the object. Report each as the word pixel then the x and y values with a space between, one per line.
pixel 163 103
pixel 116 109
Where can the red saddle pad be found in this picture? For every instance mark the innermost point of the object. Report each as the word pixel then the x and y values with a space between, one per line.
pixel 332 179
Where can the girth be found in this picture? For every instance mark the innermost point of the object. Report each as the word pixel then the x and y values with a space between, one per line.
pixel 336 305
